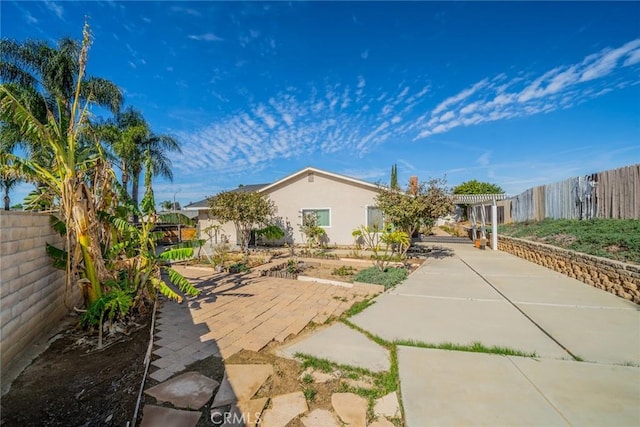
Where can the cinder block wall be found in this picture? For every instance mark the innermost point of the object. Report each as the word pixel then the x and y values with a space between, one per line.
pixel 615 277
pixel 32 293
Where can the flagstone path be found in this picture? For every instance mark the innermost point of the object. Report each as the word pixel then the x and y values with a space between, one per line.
pixel 232 313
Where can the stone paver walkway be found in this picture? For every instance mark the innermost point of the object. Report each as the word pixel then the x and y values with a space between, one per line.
pixel 242 311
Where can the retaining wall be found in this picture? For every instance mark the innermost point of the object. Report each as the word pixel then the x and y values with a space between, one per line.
pixel 616 277
pixel 32 293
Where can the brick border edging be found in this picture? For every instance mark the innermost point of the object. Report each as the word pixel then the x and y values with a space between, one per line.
pixel 618 278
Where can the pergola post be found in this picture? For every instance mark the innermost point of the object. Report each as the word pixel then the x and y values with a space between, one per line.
pixel 494 225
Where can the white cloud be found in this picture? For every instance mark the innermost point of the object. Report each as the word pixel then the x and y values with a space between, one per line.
pixel 459 97
pixel 502 97
pixel 396 119
pixel 483 160
pixel 365 54
pixel 30 19
pixel 361 82
pixel 209 37
pixel 186 10
pixel 54 7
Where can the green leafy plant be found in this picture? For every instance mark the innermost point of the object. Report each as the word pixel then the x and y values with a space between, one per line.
pixel 312 232
pixel 389 277
pixel 385 244
pixel 344 270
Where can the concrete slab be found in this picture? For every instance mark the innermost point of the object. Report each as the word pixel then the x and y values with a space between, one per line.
pixel 440 320
pixel 240 383
pixel 342 345
pixel 597 335
pixel 351 408
pixel 320 418
pixel 469 389
pixel 284 408
pixel 587 394
pixel 189 390
pixel 554 288
pixel 154 416
pixel 453 280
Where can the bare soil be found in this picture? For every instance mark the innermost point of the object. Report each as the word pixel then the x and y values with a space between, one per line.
pixel 73 384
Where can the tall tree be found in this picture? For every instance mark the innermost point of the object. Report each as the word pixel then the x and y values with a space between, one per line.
pixel 246 209
pixel 477 187
pixel 74 163
pixel 408 211
pixel 9 178
pixel 44 79
pixel 394 178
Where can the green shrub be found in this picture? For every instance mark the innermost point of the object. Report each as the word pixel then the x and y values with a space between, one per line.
pixel 239 267
pixel 389 278
pixel 345 270
pixel 611 238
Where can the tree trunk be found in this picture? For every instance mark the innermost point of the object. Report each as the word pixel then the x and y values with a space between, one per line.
pixel 7 201
pixel 134 191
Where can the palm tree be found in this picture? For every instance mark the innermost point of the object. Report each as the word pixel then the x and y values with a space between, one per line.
pixel 9 178
pixel 130 139
pixel 75 164
pixel 156 147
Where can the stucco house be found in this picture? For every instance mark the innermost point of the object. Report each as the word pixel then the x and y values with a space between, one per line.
pixel 341 204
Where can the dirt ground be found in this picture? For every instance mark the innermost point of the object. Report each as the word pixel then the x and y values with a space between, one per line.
pixel 73 384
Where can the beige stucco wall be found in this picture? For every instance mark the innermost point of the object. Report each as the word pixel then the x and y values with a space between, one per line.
pixel 346 200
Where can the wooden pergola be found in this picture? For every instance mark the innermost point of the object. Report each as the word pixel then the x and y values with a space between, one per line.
pixel 480 201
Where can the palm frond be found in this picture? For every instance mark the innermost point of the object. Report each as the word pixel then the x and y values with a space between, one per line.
pixel 179 254
pixel 181 282
pixel 58 257
pixel 58 225
pixel 165 290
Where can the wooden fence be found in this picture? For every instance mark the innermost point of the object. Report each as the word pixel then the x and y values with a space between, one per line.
pixel 610 194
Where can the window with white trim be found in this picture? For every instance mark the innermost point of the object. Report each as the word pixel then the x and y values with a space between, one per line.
pixel 323 215
pixel 375 219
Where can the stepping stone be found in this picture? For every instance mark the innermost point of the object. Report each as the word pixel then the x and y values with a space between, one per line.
pixel 357 383
pixel 320 418
pixel 247 413
pixel 154 416
pixel 387 406
pixel 319 377
pixel 381 422
pixel 240 383
pixel 189 390
pixel 284 408
pixel 351 408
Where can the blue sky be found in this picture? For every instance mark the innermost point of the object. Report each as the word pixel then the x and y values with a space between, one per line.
pixel 519 94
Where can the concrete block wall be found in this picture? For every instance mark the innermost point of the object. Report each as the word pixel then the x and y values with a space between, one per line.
pixel 32 293
pixel 619 278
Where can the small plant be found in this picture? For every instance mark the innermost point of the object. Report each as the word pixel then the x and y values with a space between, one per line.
pixel 358 307
pixel 309 393
pixel 239 267
pixel 311 230
pixel 307 379
pixel 345 270
pixel 292 267
pixel 389 277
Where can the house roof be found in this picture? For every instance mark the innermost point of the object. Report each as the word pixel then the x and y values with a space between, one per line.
pixel 320 172
pixel 261 188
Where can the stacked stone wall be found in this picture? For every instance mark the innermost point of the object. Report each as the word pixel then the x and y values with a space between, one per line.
pixel 619 278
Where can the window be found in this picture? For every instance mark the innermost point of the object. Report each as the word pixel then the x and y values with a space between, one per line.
pixel 323 215
pixel 374 218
